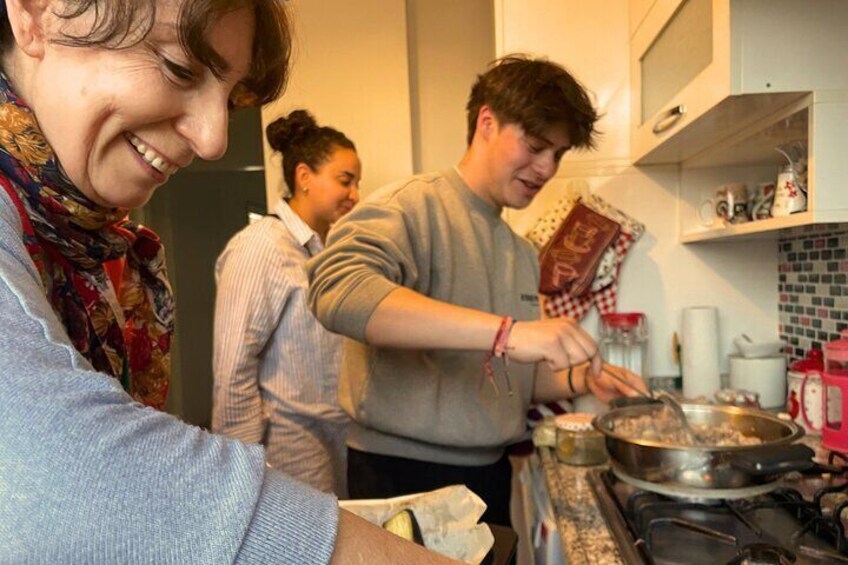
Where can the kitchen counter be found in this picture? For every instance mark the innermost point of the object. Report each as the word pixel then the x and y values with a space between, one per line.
pixel 585 537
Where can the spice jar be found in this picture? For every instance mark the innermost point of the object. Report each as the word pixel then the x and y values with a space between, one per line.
pixel 577 442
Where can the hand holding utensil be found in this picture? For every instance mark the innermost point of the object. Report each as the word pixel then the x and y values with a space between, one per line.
pixel 628 384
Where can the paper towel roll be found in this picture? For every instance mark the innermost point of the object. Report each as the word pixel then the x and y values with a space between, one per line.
pixel 699 333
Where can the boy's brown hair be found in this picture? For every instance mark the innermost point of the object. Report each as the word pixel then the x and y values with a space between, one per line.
pixel 535 94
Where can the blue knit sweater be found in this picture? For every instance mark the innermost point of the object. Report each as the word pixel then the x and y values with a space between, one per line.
pixel 89 476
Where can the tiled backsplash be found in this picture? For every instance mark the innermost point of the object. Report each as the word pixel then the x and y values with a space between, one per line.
pixel 813 287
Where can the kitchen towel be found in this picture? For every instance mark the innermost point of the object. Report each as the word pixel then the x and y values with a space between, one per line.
pixel 570 259
pixel 701 375
pixel 604 290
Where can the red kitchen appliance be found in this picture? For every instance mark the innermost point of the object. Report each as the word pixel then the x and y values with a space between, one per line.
pixel 835 387
pixel 804 392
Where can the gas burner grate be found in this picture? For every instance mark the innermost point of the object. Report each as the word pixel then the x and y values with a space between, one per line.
pixel 779 527
pixel 763 554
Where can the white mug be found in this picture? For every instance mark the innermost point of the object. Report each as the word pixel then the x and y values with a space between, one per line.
pixel 730 205
pixel 789 194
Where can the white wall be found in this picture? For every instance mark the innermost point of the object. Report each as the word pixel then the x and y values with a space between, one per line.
pixel 450 43
pixel 660 276
pixel 590 39
pixel 350 70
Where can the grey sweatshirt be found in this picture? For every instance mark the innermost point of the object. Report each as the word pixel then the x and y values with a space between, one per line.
pixel 89 476
pixel 431 234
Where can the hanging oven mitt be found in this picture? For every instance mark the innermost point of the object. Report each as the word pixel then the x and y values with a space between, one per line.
pixel 546 226
pixel 603 293
pixel 571 257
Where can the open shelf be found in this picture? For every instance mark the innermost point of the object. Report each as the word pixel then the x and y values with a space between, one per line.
pixel 754 229
pixel 748 155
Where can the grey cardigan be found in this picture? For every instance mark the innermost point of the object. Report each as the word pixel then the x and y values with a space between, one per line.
pixel 89 476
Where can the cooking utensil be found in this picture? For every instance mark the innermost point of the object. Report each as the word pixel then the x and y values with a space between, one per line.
pixel 668 401
pixel 680 416
pixel 629 385
pixel 704 466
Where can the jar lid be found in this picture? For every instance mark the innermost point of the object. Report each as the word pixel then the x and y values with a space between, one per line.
pixel 813 362
pixel 575 422
pixel 623 319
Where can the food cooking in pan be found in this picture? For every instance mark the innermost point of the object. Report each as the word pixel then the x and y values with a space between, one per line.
pixel 662 426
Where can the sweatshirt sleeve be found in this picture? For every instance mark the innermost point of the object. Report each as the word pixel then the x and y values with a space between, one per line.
pixel 368 255
pixel 87 475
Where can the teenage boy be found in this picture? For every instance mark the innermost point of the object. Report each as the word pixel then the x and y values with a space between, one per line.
pixel 440 298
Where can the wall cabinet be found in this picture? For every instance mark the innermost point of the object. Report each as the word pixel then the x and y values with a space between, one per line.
pixel 699 65
pixel 717 85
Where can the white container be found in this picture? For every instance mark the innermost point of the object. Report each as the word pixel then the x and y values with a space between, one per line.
pixel 789 195
pixel 699 352
pixel 758 348
pixel 764 375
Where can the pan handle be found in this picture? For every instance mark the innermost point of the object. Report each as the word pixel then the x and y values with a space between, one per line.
pixel 774 459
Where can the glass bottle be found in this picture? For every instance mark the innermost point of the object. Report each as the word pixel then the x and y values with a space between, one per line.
pixel 624 341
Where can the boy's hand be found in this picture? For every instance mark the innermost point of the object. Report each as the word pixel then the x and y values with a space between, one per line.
pixel 559 342
pixel 606 387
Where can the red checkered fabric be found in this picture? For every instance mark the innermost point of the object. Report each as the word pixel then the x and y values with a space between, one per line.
pixel 563 304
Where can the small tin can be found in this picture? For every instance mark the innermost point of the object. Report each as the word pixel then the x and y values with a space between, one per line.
pixel 577 442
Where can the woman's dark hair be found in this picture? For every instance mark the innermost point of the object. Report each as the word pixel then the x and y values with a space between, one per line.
pixel 119 24
pixel 536 94
pixel 301 140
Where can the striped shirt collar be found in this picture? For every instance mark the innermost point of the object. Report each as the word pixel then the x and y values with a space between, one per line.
pixel 300 230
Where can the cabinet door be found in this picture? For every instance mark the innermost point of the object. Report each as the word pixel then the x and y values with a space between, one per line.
pixel 680 67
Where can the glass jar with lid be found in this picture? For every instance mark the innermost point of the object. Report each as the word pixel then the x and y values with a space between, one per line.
pixel 577 442
pixel 624 341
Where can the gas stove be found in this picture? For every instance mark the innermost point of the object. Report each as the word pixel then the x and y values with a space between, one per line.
pixel 797 522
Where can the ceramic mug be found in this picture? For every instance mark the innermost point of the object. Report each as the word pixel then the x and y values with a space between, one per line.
pixel 762 201
pixel 789 194
pixel 730 205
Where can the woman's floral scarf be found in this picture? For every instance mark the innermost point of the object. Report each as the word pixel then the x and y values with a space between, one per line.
pixel 127 335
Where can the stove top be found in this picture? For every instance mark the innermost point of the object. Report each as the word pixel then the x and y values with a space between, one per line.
pixel 792 524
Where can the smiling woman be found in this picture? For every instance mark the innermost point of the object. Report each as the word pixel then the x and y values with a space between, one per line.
pixel 146 96
pixel 100 102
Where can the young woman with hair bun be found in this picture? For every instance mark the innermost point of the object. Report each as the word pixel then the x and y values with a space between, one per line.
pixel 275 366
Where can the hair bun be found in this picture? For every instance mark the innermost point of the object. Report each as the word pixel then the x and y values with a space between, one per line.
pixel 285 131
